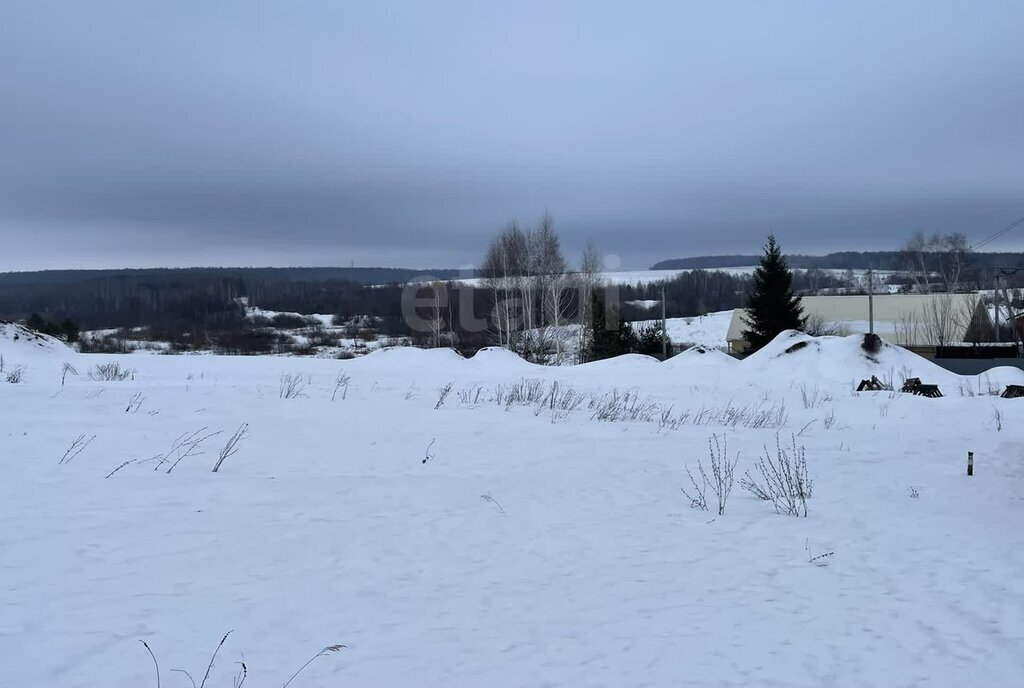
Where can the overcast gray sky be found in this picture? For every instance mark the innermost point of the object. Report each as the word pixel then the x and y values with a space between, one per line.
pixel 238 132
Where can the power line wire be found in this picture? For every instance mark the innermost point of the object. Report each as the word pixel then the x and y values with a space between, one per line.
pixel 1001 232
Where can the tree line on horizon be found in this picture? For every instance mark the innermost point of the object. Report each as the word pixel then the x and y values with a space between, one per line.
pixel 528 295
pixel 893 261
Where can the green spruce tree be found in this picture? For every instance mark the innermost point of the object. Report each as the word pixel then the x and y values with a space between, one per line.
pixel 772 307
pixel 648 340
pixel 610 334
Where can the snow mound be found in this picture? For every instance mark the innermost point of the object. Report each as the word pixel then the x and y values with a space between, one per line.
pixel 636 361
pixel 498 358
pixel 998 378
pixel 18 343
pixel 408 354
pixel 796 355
pixel 701 356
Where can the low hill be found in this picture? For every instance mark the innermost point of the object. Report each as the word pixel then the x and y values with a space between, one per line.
pixel 840 260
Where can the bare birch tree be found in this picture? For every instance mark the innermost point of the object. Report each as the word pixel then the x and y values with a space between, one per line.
pixel 524 271
pixel 940 256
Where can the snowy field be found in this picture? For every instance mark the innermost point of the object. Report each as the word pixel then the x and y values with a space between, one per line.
pixel 478 542
pixel 654 276
pixel 633 276
pixel 704 330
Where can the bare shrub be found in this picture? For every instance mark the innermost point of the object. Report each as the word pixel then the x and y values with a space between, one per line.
pixel 997 417
pixel 721 479
pixel 912 492
pixel 753 416
pixel 525 392
pixel 560 401
pixel 666 420
pixel 232 446
pixel 817 326
pixel 784 480
pixel 621 405
pixel 110 372
pixel 699 497
pixel 470 396
pixel 15 375
pixel 722 470
pixel 291 386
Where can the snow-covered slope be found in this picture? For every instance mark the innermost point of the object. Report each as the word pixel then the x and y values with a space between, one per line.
pixel 795 355
pixel 29 352
pixel 488 536
pixel 17 342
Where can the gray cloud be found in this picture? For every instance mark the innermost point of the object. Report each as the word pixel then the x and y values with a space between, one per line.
pixel 145 133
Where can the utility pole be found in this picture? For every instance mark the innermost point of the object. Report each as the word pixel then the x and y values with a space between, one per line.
pixel 997 305
pixel 871 302
pixel 664 328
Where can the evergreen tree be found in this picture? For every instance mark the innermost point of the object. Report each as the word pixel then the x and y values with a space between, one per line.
pixel 648 340
pixel 36 322
pixel 69 331
pixel 610 334
pixel 772 307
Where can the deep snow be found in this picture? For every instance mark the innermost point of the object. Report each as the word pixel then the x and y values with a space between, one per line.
pixel 584 566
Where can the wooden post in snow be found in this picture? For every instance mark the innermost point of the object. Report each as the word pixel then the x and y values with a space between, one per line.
pixel 970 463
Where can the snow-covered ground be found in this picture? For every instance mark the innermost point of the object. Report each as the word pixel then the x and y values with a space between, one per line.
pixel 485 543
pixel 652 276
pixel 324 319
pixel 706 330
pixel 637 276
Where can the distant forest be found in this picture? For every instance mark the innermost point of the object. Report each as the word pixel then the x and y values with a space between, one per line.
pixel 190 308
pixel 194 301
pixel 356 275
pixel 842 260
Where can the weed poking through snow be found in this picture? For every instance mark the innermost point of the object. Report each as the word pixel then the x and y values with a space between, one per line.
pixel 291 386
pixel 78 446
pixel 243 671
pixel 492 500
pixel 819 559
pixel 341 382
pixel 68 368
pixel 232 446
pixel 428 455
pixel 442 394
